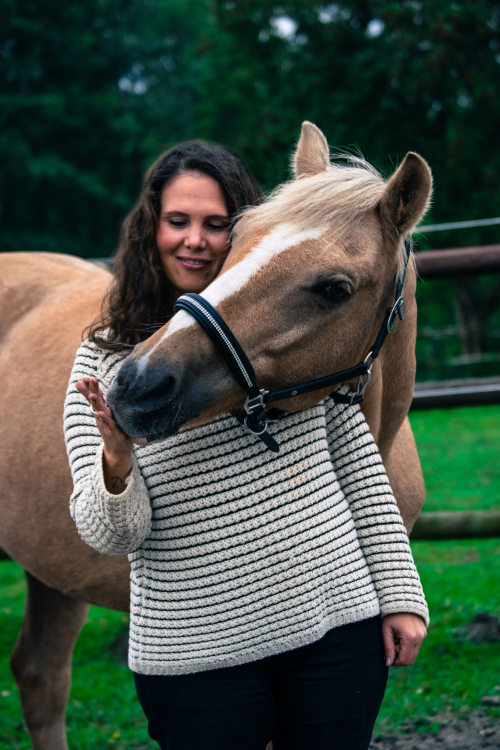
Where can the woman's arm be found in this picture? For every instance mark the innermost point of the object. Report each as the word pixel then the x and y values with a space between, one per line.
pixel 113 520
pixel 380 530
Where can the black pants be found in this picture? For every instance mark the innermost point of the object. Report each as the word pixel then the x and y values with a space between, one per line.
pixel 324 696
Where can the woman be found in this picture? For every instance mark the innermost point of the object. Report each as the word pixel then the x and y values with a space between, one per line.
pixel 266 623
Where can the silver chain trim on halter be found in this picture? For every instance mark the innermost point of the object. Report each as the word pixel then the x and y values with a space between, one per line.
pixel 223 336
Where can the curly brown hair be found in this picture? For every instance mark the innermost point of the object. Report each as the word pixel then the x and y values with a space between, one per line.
pixel 140 299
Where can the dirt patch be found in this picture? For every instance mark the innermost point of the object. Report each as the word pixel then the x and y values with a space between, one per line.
pixel 483 628
pixel 457 734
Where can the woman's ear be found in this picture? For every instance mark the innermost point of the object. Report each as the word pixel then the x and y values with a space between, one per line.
pixel 406 196
pixel 312 154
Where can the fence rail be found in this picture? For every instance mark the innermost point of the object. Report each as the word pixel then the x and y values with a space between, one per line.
pixel 465 261
pixel 484 524
pixel 435 264
pixel 441 526
pixel 444 394
pixel 438 264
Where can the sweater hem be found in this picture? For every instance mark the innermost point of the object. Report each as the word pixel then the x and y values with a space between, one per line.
pixel 149 667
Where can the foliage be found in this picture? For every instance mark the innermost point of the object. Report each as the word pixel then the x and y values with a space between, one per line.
pixel 389 77
pixel 92 91
pixel 75 135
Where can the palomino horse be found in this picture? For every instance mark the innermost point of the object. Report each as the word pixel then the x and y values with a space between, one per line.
pixel 305 287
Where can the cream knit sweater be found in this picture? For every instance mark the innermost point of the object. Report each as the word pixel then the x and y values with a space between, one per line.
pixel 238 553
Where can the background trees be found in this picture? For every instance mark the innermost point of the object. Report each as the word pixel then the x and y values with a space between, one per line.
pixel 91 91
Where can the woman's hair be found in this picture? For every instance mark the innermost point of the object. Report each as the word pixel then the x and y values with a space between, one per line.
pixel 140 299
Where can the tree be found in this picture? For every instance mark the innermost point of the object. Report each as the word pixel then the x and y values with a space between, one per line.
pixel 77 123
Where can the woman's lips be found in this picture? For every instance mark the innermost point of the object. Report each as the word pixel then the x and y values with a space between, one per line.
pixel 194 264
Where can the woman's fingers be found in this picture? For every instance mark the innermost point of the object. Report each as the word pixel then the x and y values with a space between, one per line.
pixel 96 397
pixel 82 387
pixel 403 634
pixel 389 645
pixel 113 436
pixel 406 655
pixel 89 388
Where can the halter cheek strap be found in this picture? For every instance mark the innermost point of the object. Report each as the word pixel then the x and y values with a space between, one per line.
pixel 239 364
pixel 256 419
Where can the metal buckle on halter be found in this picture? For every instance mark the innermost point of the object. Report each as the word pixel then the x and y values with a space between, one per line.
pixel 251 406
pixel 253 403
pixel 396 310
pixel 363 382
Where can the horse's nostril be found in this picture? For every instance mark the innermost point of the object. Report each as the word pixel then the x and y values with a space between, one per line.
pixel 143 392
pixel 126 375
pixel 152 392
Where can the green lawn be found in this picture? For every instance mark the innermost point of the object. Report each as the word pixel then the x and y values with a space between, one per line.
pixel 459 450
pixel 449 677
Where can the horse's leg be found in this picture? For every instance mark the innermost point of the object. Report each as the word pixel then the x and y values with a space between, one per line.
pixel 41 661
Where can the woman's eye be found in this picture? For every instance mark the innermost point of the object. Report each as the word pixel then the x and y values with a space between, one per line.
pixel 218 227
pixel 335 292
pixel 177 223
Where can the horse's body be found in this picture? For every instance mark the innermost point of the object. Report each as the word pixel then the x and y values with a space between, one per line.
pixel 45 303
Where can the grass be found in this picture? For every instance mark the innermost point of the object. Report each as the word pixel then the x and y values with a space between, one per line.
pixel 458 448
pixel 103 711
pixel 449 677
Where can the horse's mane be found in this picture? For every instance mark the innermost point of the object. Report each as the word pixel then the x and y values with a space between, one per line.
pixel 343 193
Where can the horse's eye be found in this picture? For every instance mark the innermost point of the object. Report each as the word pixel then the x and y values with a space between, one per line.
pixel 335 292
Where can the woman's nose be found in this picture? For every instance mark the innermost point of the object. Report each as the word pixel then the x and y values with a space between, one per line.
pixel 195 237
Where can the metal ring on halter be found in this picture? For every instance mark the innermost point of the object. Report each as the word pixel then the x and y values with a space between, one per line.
pixel 395 312
pixel 362 384
pixel 365 362
pixel 253 431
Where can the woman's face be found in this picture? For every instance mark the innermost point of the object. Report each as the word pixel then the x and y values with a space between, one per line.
pixel 193 232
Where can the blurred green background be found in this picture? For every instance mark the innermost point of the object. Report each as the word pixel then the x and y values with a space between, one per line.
pixel 93 90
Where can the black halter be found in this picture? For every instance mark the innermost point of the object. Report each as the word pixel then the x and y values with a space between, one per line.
pixel 256 418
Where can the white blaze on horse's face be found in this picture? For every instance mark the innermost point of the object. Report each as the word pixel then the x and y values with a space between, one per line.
pixel 282 237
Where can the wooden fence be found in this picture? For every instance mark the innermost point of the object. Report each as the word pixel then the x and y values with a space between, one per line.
pixel 465 261
pixel 438 264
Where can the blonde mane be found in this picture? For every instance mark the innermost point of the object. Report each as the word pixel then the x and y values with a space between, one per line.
pixel 342 193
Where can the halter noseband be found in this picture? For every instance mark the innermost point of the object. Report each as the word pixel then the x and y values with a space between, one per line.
pixel 256 419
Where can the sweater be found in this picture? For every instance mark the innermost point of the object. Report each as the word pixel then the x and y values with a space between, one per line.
pixel 238 553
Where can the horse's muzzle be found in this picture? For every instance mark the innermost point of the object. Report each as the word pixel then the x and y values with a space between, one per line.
pixel 156 401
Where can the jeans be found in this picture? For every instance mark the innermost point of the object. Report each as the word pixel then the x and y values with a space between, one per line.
pixel 323 696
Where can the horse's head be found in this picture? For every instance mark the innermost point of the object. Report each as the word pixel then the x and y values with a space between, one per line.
pixel 304 289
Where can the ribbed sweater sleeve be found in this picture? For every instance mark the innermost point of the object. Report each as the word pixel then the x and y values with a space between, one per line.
pixel 112 524
pixel 378 522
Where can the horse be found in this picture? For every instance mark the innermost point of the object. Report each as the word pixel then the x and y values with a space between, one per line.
pixel 305 287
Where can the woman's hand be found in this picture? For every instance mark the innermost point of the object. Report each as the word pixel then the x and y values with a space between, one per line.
pixel 403 634
pixel 117 453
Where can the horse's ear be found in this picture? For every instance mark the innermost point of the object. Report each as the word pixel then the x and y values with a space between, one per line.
pixel 312 154
pixel 407 195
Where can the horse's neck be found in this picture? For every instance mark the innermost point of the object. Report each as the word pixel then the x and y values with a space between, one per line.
pixel 388 397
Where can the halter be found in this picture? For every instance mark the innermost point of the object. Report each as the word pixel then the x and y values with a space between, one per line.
pixel 256 419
